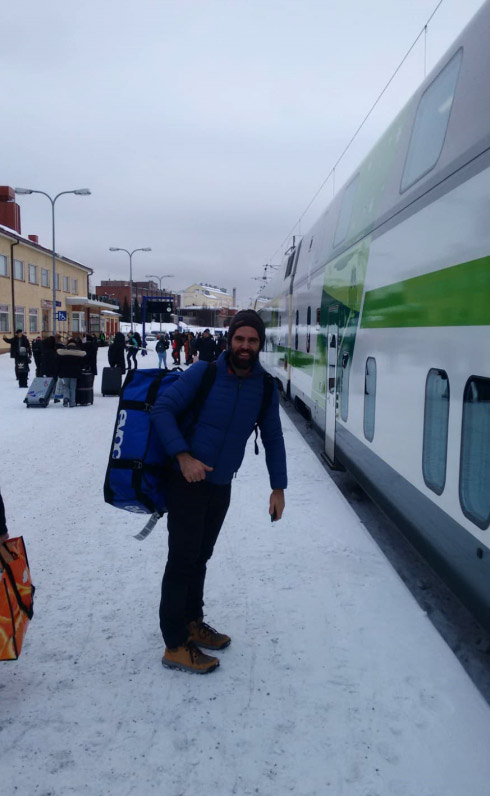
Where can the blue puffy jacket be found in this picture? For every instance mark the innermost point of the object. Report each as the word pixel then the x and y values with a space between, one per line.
pixel 226 420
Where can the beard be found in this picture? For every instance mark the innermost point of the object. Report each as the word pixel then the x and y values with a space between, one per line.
pixel 243 363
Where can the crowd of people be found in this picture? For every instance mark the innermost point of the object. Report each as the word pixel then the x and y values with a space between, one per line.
pixel 54 359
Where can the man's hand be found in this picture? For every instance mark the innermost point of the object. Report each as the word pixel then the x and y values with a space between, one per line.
pixel 277 503
pixel 3 537
pixel 192 469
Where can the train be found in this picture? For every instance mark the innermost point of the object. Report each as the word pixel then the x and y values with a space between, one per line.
pixel 378 320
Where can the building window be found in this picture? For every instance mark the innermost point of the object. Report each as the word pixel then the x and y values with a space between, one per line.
pixel 431 122
pixel 58 281
pixel 19 318
pixel 32 274
pixel 77 322
pixel 4 318
pixel 32 320
pixel 74 286
pixel 4 268
pixel 474 475
pixel 436 420
pixel 19 270
pixel 66 284
pixel 94 322
pixel 346 209
pixel 369 398
pixel 44 277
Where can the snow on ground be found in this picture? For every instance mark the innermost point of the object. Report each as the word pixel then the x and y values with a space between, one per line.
pixel 335 682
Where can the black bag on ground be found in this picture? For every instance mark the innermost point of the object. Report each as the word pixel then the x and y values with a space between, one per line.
pixel 111 381
pixel 85 389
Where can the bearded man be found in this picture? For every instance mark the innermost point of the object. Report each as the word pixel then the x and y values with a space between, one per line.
pixel 205 457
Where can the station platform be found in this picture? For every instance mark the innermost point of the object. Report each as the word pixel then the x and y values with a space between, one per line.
pixel 335 682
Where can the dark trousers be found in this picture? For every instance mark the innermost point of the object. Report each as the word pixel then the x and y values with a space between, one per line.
pixel 196 513
pixel 132 358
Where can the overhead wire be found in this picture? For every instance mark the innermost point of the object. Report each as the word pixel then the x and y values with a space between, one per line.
pixel 352 139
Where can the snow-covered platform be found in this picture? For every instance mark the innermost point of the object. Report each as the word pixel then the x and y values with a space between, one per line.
pixel 335 683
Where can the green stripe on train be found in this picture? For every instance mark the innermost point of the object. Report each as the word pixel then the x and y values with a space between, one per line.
pixel 455 296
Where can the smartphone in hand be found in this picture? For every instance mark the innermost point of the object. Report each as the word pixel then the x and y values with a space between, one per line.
pixel 274 516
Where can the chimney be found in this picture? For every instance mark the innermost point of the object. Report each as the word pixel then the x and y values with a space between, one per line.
pixel 234 296
pixel 34 238
pixel 9 209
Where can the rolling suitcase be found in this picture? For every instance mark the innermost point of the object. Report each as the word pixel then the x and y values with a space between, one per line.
pixel 85 389
pixel 111 381
pixel 40 392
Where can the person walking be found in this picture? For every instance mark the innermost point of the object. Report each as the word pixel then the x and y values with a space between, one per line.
pixel 205 347
pixel 16 343
pixel 206 454
pixel 36 353
pixel 132 350
pixel 161 349
pixel 72 361
pixel 115 353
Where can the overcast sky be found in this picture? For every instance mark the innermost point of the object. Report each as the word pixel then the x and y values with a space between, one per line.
pixel 202 127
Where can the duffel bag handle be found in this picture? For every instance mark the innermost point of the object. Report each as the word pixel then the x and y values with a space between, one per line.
pixel 28 611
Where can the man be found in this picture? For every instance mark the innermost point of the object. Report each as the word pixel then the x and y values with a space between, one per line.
pixel 71 362
pixel 205 347
pixel 206 457
pixel 16 343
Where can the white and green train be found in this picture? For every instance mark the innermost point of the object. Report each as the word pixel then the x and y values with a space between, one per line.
pixel 379 321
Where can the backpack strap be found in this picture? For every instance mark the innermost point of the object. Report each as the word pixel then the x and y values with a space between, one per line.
pixel 266 402
pixel 203 391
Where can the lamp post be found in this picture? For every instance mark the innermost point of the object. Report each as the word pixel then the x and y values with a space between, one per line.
pixel 144 249
pixel 77 192
pixel 165 276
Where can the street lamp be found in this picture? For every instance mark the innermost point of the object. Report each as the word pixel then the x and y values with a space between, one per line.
pixel 144 249
pixel 77 192
pixel 165 276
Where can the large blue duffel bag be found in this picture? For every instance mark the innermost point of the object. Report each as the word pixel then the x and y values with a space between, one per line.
pixel 138 465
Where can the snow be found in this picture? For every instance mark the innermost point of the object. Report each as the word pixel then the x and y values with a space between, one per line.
pixel 335 681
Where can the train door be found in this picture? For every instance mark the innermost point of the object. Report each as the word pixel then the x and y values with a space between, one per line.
pixel 331 388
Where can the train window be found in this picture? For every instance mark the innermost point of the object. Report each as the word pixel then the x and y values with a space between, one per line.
pixel 344 385
pixel 474 474
pixel 296 334
pixel 289 266
pixel 369 398
pixel 431 122
pixel 346 211
pixel 308 330
pixel 436 419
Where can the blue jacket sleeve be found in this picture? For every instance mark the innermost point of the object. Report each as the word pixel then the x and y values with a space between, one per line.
pixel 273 441
pixel 170 406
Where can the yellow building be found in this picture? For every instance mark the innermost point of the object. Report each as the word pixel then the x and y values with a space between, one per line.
pixel 207 296
pixel 26 292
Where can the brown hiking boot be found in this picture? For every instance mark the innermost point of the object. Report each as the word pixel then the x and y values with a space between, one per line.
pixel 207 637
pixel 189 658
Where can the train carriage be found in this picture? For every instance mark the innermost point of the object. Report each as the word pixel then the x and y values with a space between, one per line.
pixel 378 325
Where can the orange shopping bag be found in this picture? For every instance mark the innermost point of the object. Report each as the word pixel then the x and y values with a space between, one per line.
pixel 16 598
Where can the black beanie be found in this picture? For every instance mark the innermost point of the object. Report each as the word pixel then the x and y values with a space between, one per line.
pixel 247 318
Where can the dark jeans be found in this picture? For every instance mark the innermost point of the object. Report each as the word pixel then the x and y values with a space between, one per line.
pixel 132 357
pixel 196 513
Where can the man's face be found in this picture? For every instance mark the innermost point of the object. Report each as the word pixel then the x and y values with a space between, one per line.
pixel 245 347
